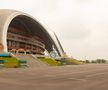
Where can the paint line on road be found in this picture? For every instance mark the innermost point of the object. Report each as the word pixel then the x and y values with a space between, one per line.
pixel 50 75
pixel 76 79
pixel 97 74
pixel 81 72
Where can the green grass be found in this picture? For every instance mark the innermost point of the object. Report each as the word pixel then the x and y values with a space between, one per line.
pixel 73 61
pixel 49 61
pixel 66 61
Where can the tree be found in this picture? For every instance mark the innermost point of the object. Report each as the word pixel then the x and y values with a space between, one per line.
pixel 100 60
pixel 87 61
pixel 93 61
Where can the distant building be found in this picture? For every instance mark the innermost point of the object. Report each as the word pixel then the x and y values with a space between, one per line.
pixel 20 32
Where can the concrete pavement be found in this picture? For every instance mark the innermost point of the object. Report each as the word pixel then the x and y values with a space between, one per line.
pixel 75 77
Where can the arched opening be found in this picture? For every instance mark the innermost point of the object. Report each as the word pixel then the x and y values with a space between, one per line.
pixel 27 34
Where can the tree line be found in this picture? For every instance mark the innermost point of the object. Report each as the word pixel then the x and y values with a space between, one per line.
pixel 96 61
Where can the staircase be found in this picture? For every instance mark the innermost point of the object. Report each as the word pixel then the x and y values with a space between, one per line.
pixel 31 61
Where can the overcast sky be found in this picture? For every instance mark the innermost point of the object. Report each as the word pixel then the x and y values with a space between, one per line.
pixel 81 25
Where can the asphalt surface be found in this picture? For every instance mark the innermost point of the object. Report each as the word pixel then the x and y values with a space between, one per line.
pixel 75 77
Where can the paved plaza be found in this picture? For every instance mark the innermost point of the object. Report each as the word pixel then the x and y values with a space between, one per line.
pixel 74 77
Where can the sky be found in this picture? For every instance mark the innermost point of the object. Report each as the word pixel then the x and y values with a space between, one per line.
pixel 81 25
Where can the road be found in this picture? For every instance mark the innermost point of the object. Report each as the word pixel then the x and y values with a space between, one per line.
pixel 74 77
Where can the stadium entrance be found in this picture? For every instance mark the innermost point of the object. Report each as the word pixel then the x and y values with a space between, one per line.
pixel 21 39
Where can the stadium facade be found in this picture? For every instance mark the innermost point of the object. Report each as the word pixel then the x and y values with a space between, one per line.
pixel 21 32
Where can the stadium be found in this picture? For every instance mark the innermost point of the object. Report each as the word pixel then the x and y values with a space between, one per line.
pixel 24 39
pixel 21 33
